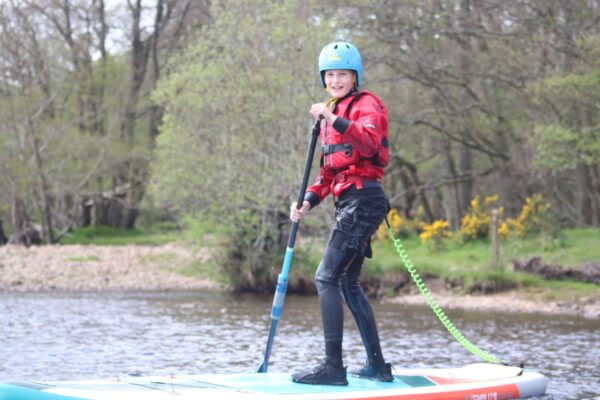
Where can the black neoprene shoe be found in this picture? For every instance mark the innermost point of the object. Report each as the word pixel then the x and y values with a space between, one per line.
pixel 322 374
pixel 381 374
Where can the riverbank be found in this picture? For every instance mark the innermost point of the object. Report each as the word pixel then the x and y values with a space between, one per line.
pixel 92 267
pixel 511 301
pixel 140 267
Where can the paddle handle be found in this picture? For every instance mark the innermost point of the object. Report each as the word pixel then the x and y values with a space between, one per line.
pixel 282 279
pixel 307 167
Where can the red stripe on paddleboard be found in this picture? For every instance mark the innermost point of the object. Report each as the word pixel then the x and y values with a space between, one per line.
pixel 501 392
pixel 448 381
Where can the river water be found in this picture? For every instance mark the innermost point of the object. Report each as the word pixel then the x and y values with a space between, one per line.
pixel 54 336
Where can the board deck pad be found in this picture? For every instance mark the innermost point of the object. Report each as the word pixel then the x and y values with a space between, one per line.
pixel 281 383
pixel 488 380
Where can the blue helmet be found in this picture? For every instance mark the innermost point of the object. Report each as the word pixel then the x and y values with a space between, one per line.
pixel 340 55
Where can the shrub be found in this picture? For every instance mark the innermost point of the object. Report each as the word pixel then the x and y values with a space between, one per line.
pixel 247 251
pixel 533 218
pixel 401 226
pixel 434 234
pixel 252 249
pixel 476 223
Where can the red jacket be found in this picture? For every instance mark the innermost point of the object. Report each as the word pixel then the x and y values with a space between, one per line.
pixel 349 146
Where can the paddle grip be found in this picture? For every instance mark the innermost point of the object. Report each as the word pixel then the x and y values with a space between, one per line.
pixel 279 298
pixel 282 281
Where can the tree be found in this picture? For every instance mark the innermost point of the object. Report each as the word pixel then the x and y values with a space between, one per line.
pixel 70 156
pixel 566 138
pixel 149 47
pixel 456 74
pixel 236 125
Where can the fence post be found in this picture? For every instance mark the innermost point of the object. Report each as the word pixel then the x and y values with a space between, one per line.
pixel 494 239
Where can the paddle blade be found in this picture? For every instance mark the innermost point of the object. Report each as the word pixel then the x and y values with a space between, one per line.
pixel 265 364
pixel 263 368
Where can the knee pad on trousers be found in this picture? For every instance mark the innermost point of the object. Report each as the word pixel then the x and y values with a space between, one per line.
pixel 326 284
pixel 334 265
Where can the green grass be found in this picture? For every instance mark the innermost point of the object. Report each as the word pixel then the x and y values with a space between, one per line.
pixel 466 266
pixel 105 235
pixel 83 259
pixel 571 248
pixel 469 264
pixel 165 259
pixel 201 269
pixel 196 268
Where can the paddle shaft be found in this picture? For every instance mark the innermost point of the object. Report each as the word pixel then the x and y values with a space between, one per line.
pixel 282 279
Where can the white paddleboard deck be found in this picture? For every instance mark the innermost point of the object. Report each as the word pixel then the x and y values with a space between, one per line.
pixel 474 382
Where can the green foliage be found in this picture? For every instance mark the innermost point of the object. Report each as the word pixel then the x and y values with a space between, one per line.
pixel 568 133
pixel 73 155
pixel 236 126
pixel 560 148
pixel 202 229
pixel 468 263
pixel 105 235
pixel 83 259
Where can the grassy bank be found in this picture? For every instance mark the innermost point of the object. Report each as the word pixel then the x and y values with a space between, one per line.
pixel 108 236
pixel 466 267
pixel 463 268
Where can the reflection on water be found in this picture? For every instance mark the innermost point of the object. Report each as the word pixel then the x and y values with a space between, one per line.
pixel 50 336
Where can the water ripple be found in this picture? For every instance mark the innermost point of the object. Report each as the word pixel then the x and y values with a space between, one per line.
pixel 103 334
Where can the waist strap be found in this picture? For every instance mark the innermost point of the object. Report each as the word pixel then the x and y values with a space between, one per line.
pixel 334 148
pixel 358 185
pixel 370 184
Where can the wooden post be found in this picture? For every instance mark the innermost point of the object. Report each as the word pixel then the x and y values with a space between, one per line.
pixel 3 238
pixel 494 239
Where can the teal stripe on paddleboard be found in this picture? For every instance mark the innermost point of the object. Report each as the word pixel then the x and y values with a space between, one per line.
pixel 281 383
pixel 269 383
pixel 415 381
pixel 15 392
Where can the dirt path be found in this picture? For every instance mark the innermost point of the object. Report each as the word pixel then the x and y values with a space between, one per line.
pixel 512 301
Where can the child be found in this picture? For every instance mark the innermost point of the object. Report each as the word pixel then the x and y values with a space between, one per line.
pixel 353 154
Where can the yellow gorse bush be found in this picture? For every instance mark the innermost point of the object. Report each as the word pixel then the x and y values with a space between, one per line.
pixel 503 229
pixel 476 223
pixel 434 233
pixel 401 226
pixel 395 221
pixel 533 218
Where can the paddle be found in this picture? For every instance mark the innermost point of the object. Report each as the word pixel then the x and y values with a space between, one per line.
pixel 282 279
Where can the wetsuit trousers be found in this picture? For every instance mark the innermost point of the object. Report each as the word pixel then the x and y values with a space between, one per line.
pixel 358 215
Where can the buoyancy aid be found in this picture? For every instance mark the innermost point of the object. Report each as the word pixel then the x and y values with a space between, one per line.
pixel 360 152
pixel 338 151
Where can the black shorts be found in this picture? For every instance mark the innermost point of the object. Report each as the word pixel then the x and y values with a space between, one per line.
pixel 358 214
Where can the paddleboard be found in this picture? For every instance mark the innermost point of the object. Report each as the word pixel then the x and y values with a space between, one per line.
pixel 478 381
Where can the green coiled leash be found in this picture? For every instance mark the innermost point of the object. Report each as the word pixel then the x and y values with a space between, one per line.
pixel 437 310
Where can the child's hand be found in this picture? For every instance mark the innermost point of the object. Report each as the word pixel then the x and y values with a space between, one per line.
pixel 297 214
